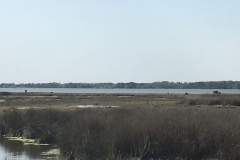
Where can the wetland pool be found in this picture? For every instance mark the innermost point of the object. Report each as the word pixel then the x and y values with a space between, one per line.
pixel 16 150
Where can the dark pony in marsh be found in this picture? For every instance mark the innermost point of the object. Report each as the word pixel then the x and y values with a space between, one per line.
pixel 216 92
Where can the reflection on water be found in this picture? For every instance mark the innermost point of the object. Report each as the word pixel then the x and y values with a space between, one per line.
pixel 15 150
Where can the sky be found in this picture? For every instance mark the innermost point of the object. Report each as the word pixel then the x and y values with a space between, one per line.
pixel 94 41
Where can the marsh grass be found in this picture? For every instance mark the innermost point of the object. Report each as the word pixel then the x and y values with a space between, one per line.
pixel 124 133
pixel 233 100
pixel 5 93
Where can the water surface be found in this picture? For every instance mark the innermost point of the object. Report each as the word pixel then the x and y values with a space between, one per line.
pixel 15 150
pixel 126 91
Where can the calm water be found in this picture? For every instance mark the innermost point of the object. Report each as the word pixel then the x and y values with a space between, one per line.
pixel 15 150
pixel 155 91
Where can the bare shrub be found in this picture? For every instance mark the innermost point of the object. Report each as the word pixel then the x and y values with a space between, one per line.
pixel 13 122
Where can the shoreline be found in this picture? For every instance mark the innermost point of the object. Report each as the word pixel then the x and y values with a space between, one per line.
pixel 118 91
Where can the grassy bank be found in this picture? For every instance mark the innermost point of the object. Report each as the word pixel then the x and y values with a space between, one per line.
pixel 123 133
pixel 212 99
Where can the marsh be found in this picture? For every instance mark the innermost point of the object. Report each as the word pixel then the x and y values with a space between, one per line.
pixel 194 126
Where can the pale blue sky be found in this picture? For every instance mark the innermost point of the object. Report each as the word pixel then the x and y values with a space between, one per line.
pixel 119 40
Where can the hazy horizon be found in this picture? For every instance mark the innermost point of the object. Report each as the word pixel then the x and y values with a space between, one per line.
pixel 119 41
pixel 120 82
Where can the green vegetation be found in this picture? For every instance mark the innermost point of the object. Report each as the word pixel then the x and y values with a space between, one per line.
pixel 133 85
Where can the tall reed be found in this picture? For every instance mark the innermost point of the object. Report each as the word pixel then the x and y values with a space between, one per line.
pixel 124 133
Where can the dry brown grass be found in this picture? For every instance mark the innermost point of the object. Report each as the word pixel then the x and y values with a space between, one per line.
pixel 67 100
pixel 132 132
pixel 145 126
pixel 212 99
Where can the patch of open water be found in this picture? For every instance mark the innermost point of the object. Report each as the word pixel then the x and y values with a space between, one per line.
pixel 95 106
pixel 15 150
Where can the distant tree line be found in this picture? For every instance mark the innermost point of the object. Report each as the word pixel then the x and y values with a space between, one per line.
pixel 132 85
